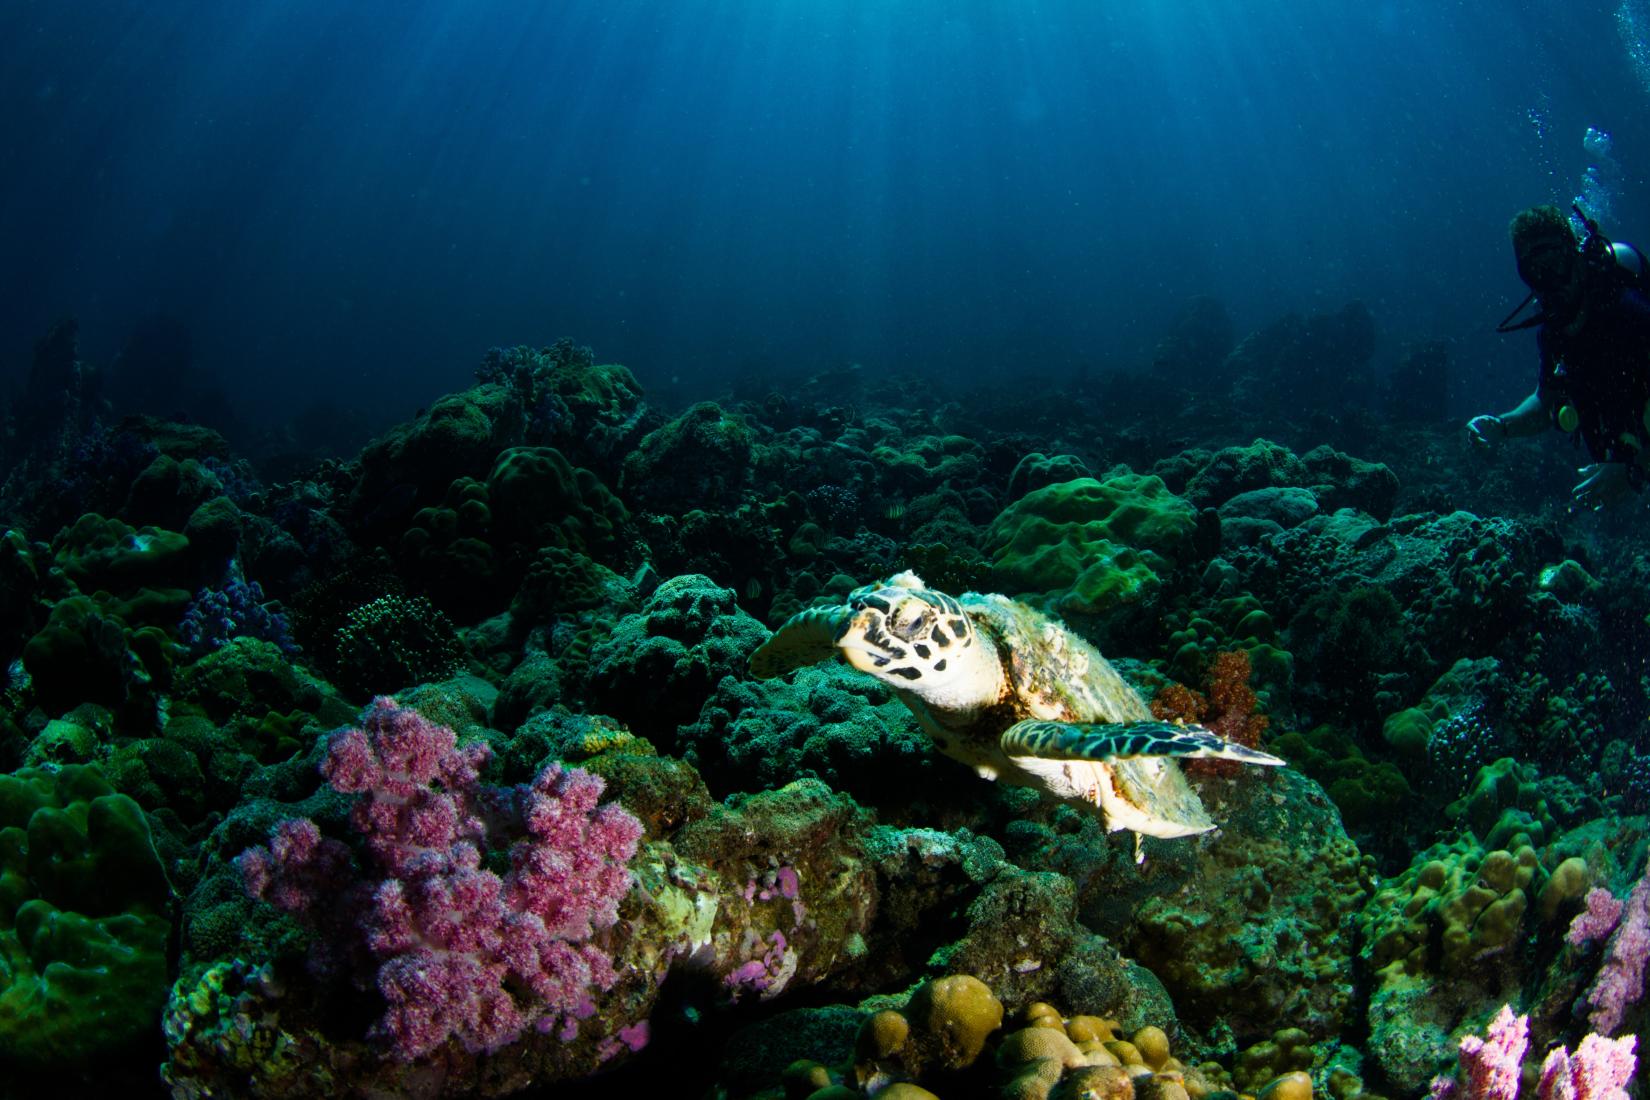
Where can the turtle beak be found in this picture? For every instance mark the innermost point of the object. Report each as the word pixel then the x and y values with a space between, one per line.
pixel 866 645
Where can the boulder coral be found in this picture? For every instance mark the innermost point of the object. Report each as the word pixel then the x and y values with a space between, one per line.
pixel 1090 547
pixel 83 919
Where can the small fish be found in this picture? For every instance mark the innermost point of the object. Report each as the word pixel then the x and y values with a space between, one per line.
pixel 895 512
pixel 753 588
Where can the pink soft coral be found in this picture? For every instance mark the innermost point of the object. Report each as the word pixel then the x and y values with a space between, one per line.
pixel 1599 1070
pixel 1620 981
pixel 463 952
pixel 1597 920
pixel 1491 1067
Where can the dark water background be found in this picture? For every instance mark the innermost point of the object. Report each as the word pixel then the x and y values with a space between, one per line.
pixel 350 201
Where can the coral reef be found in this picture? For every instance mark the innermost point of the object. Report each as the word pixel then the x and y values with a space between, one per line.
pixel 586 849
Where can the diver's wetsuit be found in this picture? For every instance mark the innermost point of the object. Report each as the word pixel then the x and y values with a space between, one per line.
pixel 1601 369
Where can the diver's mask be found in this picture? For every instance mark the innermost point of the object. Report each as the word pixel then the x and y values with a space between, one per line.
pixel 1548 266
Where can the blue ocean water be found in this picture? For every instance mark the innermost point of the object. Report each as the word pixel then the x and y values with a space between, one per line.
pixel 347 201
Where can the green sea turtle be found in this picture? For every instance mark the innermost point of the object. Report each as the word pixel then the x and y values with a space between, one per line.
pixel 1014 695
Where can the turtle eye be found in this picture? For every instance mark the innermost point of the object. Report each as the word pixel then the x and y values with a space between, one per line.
pixel 910 619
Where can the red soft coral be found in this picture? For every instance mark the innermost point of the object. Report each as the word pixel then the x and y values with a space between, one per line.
pixel 1228 709
pixel 1232 701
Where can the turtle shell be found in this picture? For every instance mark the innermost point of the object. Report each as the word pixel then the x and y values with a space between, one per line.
pixel 1057 675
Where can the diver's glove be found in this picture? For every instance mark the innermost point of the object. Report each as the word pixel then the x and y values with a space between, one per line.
pixel 1602 484
pixel 1486 430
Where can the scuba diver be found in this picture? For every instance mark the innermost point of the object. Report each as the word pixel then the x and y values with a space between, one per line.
pixel 1593 314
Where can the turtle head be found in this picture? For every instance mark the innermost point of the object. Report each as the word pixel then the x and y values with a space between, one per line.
pixel 910 637
pixel 918 641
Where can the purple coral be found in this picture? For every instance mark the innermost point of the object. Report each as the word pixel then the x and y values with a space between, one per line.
pixel 1620 981
pixel 1599 1070
pixel 299 867
pixel 1597 920
pixel 1491 1066
pixel 836 505
pixel 463 952
pixel 237 610
pixel 769 971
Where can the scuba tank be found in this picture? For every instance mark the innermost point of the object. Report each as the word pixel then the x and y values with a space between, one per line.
pixel 1614 263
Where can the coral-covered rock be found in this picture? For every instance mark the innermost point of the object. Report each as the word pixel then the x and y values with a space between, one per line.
pixel 447 552
pixel 699 460
pixel 168 491
pixel 1261 934
pixel 23 607
pixel 249 676
pixel 1452 937
pixel 560 581
pixel 1371 794
pixel 105 553
pixel 591 411
pixel 80 656
pixel 540 499
pixel 658 666
pixel 1335 480
pixel 1233 470
pixel 826 722
pixel 414 463
pixel 1343 481
pixel 772 893
pixel 1037 470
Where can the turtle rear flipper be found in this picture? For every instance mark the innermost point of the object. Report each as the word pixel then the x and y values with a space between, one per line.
pixel 806 638
pixel 1123 740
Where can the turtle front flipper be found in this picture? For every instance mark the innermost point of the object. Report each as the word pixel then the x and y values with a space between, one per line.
pixel 1123 740
pixel 806 638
